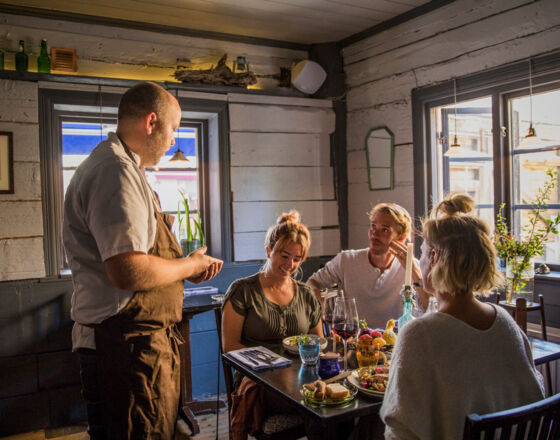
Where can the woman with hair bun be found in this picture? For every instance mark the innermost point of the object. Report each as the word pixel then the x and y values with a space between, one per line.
pixel 266 307
pixel 469 357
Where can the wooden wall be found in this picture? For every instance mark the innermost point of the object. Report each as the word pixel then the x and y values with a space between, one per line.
pixel 463 37
pixel 21 217
pixel 280 150
pixel 108 51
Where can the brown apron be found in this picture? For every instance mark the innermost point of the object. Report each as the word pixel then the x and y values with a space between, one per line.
pixel 138 353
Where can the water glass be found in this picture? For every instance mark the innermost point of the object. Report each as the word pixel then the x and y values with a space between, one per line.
pixel 309 347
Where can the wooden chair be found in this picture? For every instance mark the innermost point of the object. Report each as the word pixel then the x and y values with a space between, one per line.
pixel 519 312
pixel 275 427
pixel 536 421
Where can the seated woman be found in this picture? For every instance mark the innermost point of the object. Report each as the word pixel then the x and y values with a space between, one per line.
pixel 270 305
pixel 470 356
pixel 265 308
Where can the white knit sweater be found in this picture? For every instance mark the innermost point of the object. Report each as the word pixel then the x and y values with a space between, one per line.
pixel 443 369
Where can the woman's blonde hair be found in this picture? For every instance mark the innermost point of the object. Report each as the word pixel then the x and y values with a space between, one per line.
pixel 397 212
pixel 466 262
pixel 288 229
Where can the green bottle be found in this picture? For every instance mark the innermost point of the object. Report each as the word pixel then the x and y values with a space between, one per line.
pixel 21 58
pixel 43 60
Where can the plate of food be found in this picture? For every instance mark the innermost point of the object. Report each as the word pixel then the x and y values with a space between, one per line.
pixel 290 344
pixel 332 394
pixel 370 381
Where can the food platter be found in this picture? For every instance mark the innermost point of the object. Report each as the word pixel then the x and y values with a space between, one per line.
pixel 309 397
pixel 291 346
pixel 355 381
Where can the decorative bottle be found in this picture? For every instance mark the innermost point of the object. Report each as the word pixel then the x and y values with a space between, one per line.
pixel 407 293
pixel 432 305
pixel 43 60
pixel 21 58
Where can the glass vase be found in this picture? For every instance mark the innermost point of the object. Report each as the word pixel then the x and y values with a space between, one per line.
pixel 520 279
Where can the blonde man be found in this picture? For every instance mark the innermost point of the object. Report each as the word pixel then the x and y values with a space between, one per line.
pixel 374 276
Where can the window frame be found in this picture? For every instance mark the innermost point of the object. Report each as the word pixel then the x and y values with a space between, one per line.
pixel 500 84
pixel 213 163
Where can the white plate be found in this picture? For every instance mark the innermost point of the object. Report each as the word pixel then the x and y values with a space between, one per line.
pixel 353 379
pixel 293 348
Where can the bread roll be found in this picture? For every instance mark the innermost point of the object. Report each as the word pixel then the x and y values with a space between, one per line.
pixel 337 391
pixel 320 389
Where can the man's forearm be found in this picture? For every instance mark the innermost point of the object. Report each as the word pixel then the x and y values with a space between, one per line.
pixel 138 271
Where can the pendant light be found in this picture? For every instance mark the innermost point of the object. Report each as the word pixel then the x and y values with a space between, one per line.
pixel 178 156
pixel 531 139
pixel 455 148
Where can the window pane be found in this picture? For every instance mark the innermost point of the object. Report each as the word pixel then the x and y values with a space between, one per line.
pixel 552 247
pixel 529 175
pixel 546 119
pixel 471 171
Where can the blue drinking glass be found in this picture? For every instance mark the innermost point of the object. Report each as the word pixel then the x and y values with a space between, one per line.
pixel 308 347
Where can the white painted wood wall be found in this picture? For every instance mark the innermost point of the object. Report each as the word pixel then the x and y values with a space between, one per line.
pixel 465 36
pixel 21 217
pixel 108 51
pixel 280 160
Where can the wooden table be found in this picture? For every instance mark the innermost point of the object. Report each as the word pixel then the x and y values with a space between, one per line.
pixel 188 408
pixel 286 383
pixel 544 351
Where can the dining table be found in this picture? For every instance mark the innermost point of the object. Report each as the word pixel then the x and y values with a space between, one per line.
pixel 285 383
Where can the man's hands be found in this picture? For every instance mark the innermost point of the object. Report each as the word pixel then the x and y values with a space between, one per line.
pixel 205 267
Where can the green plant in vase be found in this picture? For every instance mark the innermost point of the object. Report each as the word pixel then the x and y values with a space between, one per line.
pixel 519 253
pixel 191 236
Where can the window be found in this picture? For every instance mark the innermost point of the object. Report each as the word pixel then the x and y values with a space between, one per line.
pixel 73 123
pixel 491 118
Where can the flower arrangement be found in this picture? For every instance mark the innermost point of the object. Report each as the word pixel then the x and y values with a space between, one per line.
pixel 519 252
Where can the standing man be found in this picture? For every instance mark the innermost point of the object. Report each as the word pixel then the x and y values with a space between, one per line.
pixel 128 273
pixel 374 276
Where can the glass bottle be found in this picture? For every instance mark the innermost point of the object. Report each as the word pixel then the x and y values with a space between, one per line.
pixel 21 58
pixel 43 60
pixel 407 293
pixel 432 305
pixel 1 60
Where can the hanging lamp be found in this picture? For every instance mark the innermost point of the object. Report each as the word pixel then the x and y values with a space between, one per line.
pixel 455 148
pixel 531 140
pixel 178 156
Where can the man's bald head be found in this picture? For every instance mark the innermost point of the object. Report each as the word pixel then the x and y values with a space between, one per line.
pixel 143 99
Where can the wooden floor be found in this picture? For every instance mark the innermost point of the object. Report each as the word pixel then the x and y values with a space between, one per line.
pixel 207 423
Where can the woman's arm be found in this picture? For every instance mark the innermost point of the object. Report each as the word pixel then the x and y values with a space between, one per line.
pixel 232 327
pixel 318 329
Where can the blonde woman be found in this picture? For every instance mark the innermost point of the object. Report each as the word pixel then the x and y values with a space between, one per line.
pixel 470 356
pixel 271 305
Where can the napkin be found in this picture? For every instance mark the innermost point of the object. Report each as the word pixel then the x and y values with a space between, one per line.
pixel 244 355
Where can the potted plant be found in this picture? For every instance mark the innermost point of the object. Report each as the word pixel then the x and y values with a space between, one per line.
pixel 189 230
pixel 519 253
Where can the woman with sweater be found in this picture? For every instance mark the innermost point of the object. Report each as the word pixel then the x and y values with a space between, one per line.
pixel 469 357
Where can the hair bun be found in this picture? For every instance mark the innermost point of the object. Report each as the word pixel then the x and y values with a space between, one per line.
pixel 289 217
pixel 455 204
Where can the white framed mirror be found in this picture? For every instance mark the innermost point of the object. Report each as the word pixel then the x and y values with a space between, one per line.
pixel 380 158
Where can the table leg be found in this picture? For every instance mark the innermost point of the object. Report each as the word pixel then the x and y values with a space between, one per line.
pixel 188 407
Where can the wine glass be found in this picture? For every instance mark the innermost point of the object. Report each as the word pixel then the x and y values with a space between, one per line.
pixel 345 322
pixel 328 297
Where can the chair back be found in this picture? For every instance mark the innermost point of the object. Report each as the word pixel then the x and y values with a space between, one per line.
pixel 536 421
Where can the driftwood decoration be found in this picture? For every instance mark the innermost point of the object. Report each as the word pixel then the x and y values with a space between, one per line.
pixel 219 75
